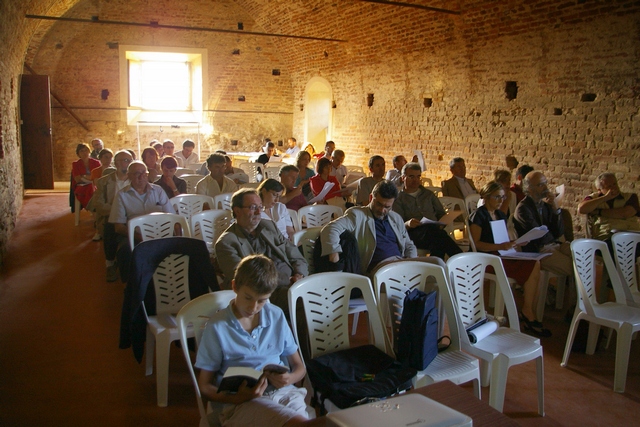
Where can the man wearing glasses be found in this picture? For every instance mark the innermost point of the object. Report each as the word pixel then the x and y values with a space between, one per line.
pixel 253 235
pixel 415 202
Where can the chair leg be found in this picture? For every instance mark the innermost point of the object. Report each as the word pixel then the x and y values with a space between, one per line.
pixel 477 390
pixel 623 347
pixel 485 373
pixel 354 327
pixel 540 375
pixel 498 382
pixel 150 347
pixel 163 347
pixel 570 337
pixel 592 338
pixel 542 294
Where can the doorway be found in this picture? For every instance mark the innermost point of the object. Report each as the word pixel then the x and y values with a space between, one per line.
pixel 318 115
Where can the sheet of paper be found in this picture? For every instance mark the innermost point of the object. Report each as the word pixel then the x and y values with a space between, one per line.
pixel 325 190
pixel 559 195
pixel 533 234
pixel 421 161
pixel 500 233
pixel 444 220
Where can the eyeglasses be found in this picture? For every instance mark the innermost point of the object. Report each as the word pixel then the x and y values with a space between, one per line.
pixel 412 176
pixel 498 197
pixel 254 207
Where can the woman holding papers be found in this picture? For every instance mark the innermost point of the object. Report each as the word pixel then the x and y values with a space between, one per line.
pixel 522 270
pixel 322 177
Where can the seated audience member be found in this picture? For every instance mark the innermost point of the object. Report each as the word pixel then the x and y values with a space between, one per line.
pixel 81 183
pixel 157 145
pixel 395 175
pixel 304 171
pixel 338 169
pixel 458 185
pixel 269 152
pixel 539 208
pixel 293 197
pixel 253 235
pixel 150 160
pixel 236 174
pixel 365 185
pixel 216 182
pixel 270 191
pixel 106 189
pixel 292 148
pixel 170 183
pixel 317 182
pixel 329 148
pixel 190 159
pixel 169 147
pixel 139 198
pixel 521 172
pixel 252 332
pixel 309 149
pixel 380 233
pixel 97 146
pixel 503 177
pixel 609 209
pixel 415 202
pixel 525 272
pixel 105 158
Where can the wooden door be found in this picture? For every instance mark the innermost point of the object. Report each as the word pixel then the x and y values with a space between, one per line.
pixel 35 113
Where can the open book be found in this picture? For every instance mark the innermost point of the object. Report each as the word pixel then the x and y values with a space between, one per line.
pixel 234 376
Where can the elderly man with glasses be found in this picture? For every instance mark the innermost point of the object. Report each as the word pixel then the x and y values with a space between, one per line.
pixel 253 235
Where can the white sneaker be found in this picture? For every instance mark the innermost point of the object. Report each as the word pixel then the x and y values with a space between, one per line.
pixel 97 237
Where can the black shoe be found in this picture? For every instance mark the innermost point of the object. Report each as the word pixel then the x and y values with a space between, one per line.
pixel 535 327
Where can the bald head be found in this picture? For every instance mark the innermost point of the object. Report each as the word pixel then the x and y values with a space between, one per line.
pixel 535 186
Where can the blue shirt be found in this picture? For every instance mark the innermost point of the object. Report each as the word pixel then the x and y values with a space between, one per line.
pixel 225 343
pixel 386 242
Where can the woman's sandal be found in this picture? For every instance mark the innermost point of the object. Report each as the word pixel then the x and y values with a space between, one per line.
pixel 534 327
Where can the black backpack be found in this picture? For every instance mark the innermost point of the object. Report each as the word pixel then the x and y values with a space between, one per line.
pixel 418 336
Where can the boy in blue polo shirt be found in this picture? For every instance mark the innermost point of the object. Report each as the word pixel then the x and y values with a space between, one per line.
pixel 253 333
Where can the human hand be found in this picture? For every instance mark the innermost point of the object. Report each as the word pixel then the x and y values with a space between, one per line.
pixel 506 245
pixel 334 257
pixel 293 279
pixel 612 193
pixel 412 223
pixel 278 380
pixel 245 393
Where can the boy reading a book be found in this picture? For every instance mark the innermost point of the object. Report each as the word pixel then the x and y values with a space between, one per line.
pixel 252 333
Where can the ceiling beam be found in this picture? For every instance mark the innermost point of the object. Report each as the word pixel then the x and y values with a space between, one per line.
pixel 415 6
pixel 153 24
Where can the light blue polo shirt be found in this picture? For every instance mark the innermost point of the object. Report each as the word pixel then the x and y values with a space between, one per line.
pixel 225 343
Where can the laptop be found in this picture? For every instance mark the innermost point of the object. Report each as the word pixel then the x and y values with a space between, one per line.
pixel 411 410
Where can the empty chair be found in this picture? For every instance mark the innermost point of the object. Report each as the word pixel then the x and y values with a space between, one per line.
pixel 272 170
pixel 624 319
pixel 625 249
pixel 354 168
pixel 192 181
pixel 222 201
pixel 253 170
pixel 353 176
pixel 157 225
pixel 191 320
pixel 426 182
pixel 184 171
pixel 451 204
pixel 471 203
pixel 391 283
pixel 209 225
pixel 189 204
pixel 294 219
pixel 435 190
pixel 318 215
pixel 506 346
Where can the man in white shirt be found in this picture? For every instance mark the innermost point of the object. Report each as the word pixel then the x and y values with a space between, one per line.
pixel 338 169
pixel 169 147
pixel 216 182
pixel 395 175
pixel 293 149
pixel 190 160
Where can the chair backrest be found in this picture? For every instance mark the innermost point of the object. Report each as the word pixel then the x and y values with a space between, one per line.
pixel 156 226
pixel 272 170
pixel 209 225
pixel 171 284
pixel 184 171
pixel 471 203
pixel 196 313
pixel 354 168
pixel 436 190
pixel 294 219
pixel 625 249
pixel 222 201
pixel 306 241
pixel 392 282
pixel 466 279
pixel 472 243
pixel 318 215
pixel 189 204
pixel 253 185
pixel 253 170
pixel 583 252
pixel 353 176
pixel 325 300
pixel 426 182
pixel 453 203
pixel 192 181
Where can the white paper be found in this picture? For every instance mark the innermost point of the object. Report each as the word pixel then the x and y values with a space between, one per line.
pixel 481 332
pixel 444 220
pixel 423 165
pixel 325 190
pixel 500 233
pixel 533 234
pixel 559 195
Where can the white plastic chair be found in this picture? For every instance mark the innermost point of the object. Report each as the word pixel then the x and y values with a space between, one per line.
pixel 624 246
pixel 192 181
pixel 189 204
pixel 505 347
pixel 325 300
pixel 435 190
pixel 209 225
pixel 157 225
pixel 272 170
pixel 353 176
pixel 318 215
pixel 625 320
pixel 253 185
pixel 354 168
pixel 391 283
pixel 471 203
pixel 184 171
pixel 222 201
pixel 426 182
pixel 191 320
pixel 253 170
pixel 171 284
pixel 294 219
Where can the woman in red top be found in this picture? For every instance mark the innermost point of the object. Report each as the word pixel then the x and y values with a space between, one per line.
pixel 81 183
pixel 323 168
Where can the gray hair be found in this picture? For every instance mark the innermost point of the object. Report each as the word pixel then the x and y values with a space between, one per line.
pixel 411 166
pixel 602 177
pixel 455 160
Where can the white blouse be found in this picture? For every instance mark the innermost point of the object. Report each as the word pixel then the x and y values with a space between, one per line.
pixel 281 217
